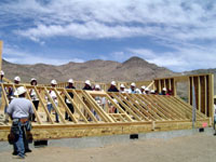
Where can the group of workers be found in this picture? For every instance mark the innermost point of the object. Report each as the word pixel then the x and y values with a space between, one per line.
pixel 20 110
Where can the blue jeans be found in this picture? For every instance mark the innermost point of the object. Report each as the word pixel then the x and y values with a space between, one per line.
pixel 20 143
pixel 50 108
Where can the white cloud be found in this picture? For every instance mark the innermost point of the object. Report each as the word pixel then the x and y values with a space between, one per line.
pixel 115 19
pixel 181 59
pixel 90 30
pixel 15 55
pixel 177 24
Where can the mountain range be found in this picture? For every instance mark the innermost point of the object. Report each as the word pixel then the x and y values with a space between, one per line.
pixel 134 69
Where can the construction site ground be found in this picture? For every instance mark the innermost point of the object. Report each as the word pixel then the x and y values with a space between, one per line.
pixel 199 147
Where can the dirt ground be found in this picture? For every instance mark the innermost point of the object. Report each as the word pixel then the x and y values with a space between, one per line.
pixel 197 148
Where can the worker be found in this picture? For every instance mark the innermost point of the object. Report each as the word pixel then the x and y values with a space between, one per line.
pixel 34 97
pixel 97 87
pixel 169 92
pixel 142 89
pixel 19 110
pixel 164 91
pixel 113 87
pixel 132 89
pixel 53 95
pixel 17 80
pixel 122 89
pixel 87 86
pixel 99 100
pixel 137 91
pixel 2 76
pixel 10 91
pixel 152 91
pixel 147 91
pixel 67 101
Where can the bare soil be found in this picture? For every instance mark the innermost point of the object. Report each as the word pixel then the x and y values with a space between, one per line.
pixel 197 148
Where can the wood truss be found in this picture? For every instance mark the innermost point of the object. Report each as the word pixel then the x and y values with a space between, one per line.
pixel 117 114
pixel 204 90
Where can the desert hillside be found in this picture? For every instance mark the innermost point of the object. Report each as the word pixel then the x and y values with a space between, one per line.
pixel 134 69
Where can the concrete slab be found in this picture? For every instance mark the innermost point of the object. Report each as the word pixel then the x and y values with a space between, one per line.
pixel 102 141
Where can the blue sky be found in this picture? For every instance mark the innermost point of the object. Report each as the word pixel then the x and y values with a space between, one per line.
pixel 177 34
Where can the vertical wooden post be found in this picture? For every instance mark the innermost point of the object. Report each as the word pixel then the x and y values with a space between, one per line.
pixel 174 87
pixel 1 49
pixel 192 85
pixel 159 86
pixel 211 96
pixel 189 91
pixel 199 94
pixel 205 84
pixel 169 84
pixel 164 83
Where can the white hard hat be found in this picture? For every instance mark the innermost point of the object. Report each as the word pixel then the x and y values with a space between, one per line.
pixel 2 72
pixel 122 86
pixel 143 87
pixel 97 86
pixel 17 78
pixel 113 83
pixel 20 91
pixel 54 82
pixel 152 91
pixel 164 89
pixel 33 79
pixel 88 82
pixel 70 81
pixel 147 89
pixel 133 84
pixel 137 90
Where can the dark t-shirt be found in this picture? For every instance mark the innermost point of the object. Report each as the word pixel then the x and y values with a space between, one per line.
pixel 114 89
pixel 70 93
pixel 88 88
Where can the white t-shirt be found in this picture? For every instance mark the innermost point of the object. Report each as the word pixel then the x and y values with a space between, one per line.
pixel 33 95
pixel 53 96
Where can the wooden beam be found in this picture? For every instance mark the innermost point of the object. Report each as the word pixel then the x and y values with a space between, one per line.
pixel 199 95
pixel 206 105
pixel 66 107
pixel 151 84
pixel 5 95
pixel 169 84
pixel 159 86
pixel 99 110
pixel 54 106
pixel 126 107
pixel 1 49
pixel 119 108
pixel 75 106
pixel 35 111
pixel 211 96
pixel 189 90
pixel 174 87
pixel 85 106
pixel 141 108
pixel 43 105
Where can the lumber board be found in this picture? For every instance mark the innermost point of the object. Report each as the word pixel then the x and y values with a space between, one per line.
pixel 46 132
